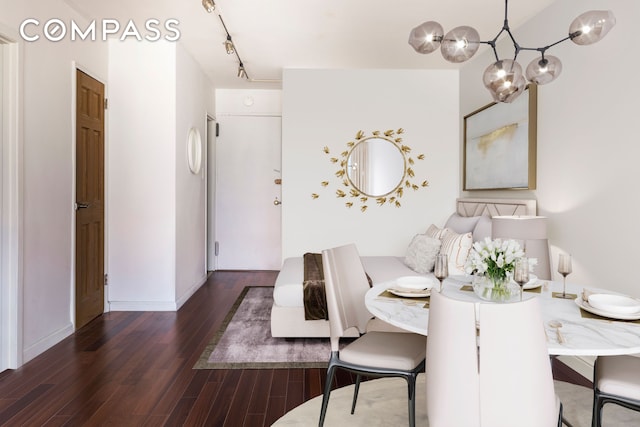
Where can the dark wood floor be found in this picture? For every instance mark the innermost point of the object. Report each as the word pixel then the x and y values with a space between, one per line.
pixel 135 369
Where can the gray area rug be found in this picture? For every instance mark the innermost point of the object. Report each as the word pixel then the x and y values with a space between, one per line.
pixel 383 402
pixel 244 340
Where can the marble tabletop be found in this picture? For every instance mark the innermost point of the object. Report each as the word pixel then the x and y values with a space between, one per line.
pixel 584 334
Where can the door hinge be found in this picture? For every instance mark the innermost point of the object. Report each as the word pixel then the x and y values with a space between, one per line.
pixel 217 129
pixel 106 103
pixel 216 249
pixel 106 279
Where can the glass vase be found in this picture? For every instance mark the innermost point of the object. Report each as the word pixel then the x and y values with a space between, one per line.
pixel 496 289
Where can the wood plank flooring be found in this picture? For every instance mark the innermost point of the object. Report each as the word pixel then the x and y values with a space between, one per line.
pixel 135 369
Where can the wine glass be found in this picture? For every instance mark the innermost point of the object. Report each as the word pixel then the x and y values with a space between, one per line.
pixel 441 269
pixel 564 268
pixel 521 273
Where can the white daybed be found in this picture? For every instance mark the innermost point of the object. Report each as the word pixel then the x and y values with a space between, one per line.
pixel 287 312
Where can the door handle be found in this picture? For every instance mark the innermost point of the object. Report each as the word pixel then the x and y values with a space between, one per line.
pixel 82 205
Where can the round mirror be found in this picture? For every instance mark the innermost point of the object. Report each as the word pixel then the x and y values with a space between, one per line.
pixel 194 150
pixel 375 166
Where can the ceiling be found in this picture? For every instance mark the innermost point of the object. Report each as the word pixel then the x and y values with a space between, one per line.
pixel 324 34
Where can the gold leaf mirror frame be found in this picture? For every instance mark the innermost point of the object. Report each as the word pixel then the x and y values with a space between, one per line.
pixel 365 173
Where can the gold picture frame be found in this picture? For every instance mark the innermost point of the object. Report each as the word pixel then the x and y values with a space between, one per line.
pixel 500 145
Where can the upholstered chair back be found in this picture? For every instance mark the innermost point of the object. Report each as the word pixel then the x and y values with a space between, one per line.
pixel 345 286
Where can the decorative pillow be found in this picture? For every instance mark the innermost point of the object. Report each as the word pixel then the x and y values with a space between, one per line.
pixel 421 253
pixel 482 229
pixel 435 231
pixel 457 247
pixel 462 224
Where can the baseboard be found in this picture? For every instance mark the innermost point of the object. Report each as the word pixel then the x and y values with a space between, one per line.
pixel 46 343
pixel 142 306
pixel 581 364
pixel 185 297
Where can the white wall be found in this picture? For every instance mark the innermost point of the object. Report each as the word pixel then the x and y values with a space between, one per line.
pixel 587 145
pixel 142 178
pixel 157 207
pixel 192 98
pixel 48 81
pixel 327 108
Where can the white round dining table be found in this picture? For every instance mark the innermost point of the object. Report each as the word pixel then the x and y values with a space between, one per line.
pixel 583 333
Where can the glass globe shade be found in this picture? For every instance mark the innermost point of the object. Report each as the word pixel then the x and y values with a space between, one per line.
pixel 502 78
pixel 543 71
pixel 591 26
pixel 460 44
pixel 502 73
pixel 514 91
pixel 426 37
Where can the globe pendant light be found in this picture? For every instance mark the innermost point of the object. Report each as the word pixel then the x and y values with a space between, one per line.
pixel 543 70
pixel 460 44
pixel 504 78
pixel 425 38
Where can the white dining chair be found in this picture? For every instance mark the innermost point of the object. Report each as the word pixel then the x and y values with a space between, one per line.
pixel 487 365
pixel 616 380
pixel 376 354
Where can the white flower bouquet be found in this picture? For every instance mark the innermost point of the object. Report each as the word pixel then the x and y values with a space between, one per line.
pixel 495 259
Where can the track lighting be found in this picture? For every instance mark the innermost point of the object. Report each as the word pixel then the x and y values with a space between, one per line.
pixel 231 48
pixel 241 72
pixel 228 45
pixel 209 5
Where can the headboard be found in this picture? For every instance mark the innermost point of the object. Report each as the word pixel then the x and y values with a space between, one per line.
pixel 495 207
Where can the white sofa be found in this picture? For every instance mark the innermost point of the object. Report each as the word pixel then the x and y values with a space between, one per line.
pixel 287 312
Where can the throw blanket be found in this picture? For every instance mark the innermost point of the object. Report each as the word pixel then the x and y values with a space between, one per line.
pixel 315 300
pixel 314 297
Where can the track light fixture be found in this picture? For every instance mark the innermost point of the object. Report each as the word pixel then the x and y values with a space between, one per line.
pixel 228 45
pixel 241 71
pixel 505 78
pixel 231 48
pixel 209 5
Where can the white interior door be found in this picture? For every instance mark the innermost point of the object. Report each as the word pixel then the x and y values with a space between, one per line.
pixel 248 223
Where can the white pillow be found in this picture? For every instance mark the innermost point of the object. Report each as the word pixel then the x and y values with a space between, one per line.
pixel 482 229
pixel 421 253
pixel 462 224
pixel 435 232
pixel 457 247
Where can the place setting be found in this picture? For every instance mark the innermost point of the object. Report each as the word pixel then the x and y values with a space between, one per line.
pixel 410 289
pixel 609 306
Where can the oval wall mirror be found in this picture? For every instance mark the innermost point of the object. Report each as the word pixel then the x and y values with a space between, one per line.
pixel 194 150
pixel 375 166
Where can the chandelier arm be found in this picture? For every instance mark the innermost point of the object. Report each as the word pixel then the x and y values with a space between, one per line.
pixel 542 50
pixel 516 46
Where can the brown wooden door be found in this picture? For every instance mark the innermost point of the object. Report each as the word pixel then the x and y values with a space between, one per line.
pixel 89 199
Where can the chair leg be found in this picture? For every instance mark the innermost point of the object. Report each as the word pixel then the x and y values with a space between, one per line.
pixel 355 394
pixel 596 417
pixel 411 383
pixel 327 391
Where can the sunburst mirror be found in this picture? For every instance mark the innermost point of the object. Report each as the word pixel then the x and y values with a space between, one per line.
pixel 376 168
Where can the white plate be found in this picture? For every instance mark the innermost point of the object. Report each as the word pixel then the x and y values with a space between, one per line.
pixel 414 282
pixel 532 283
pixel 586 306
pixel 614 303
pixel 410 293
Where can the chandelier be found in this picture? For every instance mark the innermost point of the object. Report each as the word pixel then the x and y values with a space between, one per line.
pixel 504 78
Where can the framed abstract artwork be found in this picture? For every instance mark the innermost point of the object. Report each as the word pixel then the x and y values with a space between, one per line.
pixel 500 145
